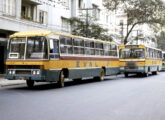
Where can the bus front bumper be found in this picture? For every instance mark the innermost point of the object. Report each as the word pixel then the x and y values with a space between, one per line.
pixel 139 69
pixel 35 77
pixel 25 77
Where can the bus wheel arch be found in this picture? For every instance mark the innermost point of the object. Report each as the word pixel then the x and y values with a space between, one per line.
pixel 104 68
pixel 66 72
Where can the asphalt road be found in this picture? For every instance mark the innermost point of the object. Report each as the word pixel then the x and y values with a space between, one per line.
pixel 116 98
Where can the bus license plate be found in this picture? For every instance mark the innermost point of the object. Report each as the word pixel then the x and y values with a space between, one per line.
pixel 22 78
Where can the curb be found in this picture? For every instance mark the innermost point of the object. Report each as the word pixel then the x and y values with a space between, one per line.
pixel 4 83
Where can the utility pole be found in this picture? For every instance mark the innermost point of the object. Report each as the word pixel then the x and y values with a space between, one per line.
pixel 87 18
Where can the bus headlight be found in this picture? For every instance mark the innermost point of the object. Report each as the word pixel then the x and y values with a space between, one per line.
pixel 140 68
pixel 10 72
pixel 122 68
pixel 13 72
pixel 36 72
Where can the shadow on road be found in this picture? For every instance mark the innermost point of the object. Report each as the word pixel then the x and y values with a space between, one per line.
pixel 47 85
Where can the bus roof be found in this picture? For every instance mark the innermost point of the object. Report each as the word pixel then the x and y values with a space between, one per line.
pixel 123 46
pixel 47 33
pixel 31 33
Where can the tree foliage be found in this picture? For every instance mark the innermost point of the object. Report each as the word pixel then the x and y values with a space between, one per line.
pixel 80 27
pixel 139 12
pixel 161 40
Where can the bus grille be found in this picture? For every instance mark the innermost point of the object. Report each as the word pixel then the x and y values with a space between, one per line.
pixel 131 65
pixel 25 72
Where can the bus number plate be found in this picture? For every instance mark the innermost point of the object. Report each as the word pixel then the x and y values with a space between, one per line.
pixel 22 78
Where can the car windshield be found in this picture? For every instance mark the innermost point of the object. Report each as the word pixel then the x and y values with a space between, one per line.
pixel 132 53
pixel 33 47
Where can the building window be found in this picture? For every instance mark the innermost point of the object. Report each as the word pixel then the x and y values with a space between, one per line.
pixel 28 11
pixel 80 4
pixel 96 12
pixel 65 3
pixel 65 25
pixel 43 17
pixel 9 7
pixel 121 22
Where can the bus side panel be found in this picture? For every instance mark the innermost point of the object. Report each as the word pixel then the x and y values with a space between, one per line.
pixel 112 70
pixel 80 73
pixel 153 65
pixel 52 75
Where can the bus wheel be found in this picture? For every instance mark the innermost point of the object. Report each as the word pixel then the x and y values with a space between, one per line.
pixel 101 77
pixel 30 83
pixel 155 73
pixel 126 74
pixel 61 80
pixel 139 74
pixel 146 74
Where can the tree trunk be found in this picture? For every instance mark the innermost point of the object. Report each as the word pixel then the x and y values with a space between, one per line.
pixel 126 37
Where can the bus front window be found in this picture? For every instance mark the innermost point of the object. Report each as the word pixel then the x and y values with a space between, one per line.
pixel 36 48
pixel 17 48
pixel 135 53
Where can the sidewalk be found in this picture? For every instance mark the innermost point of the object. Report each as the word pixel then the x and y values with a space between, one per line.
pixel 5 82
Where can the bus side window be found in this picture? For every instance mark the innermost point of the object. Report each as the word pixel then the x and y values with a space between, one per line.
pixel 54 49
pixel 113 51
pixel 66 46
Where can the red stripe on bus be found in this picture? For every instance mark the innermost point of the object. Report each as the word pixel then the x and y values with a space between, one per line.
pixel 88 58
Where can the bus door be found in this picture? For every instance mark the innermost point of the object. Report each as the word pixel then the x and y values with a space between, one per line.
pixel 54 49
pixel 2 60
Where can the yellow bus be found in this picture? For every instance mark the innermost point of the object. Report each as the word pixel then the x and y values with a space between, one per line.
pixel 139 59
pixel 45 56
pixel 163 60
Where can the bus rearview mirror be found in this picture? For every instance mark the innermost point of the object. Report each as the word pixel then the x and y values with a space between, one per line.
pixel 51 44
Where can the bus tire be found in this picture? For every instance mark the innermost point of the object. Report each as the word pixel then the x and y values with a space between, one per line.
pixel 30 83
pixel 146 74
pixel 139 74
pixel 61 80
pixel 101 77
pixel 126 74
pixel 155 73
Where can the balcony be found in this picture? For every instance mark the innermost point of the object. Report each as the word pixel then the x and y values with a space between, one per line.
pixel 33 2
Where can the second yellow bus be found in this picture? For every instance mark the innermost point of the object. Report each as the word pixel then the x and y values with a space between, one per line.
pixel 140 59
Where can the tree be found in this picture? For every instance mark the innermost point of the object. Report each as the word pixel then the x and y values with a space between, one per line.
pixel 79 27
pixel 139 12
pixel 161 40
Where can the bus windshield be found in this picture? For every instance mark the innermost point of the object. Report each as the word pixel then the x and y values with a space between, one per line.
pixel 30 48
pixel 163 56
pixel 135 53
